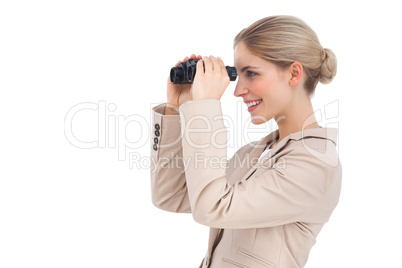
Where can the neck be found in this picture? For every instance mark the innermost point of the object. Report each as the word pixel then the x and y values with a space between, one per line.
pixel 299 117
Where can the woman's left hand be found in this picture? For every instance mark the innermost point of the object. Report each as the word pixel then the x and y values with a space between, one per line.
pixel 212 83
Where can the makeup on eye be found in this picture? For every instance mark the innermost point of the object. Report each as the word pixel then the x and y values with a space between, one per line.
pixel 250 73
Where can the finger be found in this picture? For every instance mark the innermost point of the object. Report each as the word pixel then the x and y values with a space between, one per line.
pixel 208 65
pixel 193 56
pixel 199 57
pixel 185 59
pixel 222 64
pixel 216 64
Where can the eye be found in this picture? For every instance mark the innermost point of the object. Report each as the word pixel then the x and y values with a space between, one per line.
pixel 250 73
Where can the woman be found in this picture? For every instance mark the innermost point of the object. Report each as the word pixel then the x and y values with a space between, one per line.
pixel 268 203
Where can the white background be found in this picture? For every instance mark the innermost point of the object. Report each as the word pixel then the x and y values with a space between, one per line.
pixel 65 206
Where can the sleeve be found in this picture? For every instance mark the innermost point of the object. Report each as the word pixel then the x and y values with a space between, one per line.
pixel 168 181
pixel 290 192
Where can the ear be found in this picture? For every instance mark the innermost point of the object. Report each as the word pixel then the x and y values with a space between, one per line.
pixel 296 73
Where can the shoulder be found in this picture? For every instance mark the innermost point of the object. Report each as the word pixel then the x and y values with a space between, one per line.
pixel 312 159
pixel 322 152
pixel 316 145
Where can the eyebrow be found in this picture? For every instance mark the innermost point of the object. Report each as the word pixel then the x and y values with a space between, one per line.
pixel 245 68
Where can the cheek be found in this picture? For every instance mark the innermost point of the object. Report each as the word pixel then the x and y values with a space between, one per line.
pixel 268 90
pixel 275 96
pixel 262 87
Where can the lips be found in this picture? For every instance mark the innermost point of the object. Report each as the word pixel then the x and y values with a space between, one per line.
pixel 253 105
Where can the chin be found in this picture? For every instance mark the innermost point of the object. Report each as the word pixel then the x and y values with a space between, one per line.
pixel 258 120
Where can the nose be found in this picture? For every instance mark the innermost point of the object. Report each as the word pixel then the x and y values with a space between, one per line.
pixel 240 89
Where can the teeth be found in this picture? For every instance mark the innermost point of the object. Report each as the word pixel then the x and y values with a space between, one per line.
pixel 253 103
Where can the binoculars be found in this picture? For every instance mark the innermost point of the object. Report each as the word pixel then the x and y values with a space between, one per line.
pixel 184 73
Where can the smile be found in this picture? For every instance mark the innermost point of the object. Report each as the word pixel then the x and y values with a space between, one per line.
pixel 253 103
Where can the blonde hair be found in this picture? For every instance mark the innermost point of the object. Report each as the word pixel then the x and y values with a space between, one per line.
pixel 283 40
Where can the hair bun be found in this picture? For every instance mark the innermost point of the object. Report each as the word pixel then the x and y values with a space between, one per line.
pixel 328 66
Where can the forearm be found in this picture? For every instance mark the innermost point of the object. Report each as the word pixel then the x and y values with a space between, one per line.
pixel 168 182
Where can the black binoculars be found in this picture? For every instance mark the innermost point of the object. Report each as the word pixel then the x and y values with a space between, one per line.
pixel 184 73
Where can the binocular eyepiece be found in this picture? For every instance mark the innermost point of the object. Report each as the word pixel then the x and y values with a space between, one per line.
pixel 184 73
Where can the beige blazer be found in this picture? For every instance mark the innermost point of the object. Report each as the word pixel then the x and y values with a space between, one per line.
pixel 261 214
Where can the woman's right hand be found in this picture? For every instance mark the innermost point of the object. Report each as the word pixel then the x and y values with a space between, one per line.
pixel 179 94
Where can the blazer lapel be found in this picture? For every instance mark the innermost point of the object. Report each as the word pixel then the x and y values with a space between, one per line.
pixel 214 234
pixel 259 148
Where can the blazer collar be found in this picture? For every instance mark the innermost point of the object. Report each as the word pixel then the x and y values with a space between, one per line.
pixel 320 132
pixel 323 133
